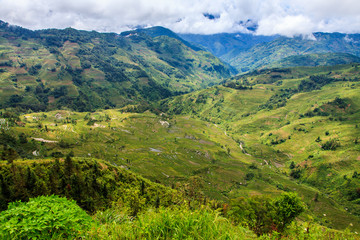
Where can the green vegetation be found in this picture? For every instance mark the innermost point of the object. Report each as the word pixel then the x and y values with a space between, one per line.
pixel 161 219
pixel 85 71
pixel 264 215
pixel 316 59
pixel 94 185
pixel 304 117
pixel 247 52
pixel 44 218
pixel 177 223
pixel 266 154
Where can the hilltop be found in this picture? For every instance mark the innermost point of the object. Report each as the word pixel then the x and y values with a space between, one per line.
pixel 51 69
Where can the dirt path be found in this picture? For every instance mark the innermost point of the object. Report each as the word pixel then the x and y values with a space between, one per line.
pixel 44 140
pixel 243 150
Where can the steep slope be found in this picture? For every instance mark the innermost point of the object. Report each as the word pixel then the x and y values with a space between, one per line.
pixel 301 121
pixel 94 184
pixel 81 70
pixel 226 45
pixel 316 59
pixel 270 52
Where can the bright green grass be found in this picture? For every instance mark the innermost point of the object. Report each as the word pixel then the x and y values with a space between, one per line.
pixel 168 224
pixel 187 151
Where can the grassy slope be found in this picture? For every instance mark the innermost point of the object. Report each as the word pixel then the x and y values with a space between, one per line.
pixel 188 151
pixel 321 169
pixel 316 60
pixel 267 53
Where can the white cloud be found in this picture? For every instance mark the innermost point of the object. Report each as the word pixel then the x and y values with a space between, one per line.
pixel 286 25
pixel 287 17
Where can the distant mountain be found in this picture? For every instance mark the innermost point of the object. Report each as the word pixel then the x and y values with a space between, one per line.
pixel 316 59
pixel 226 45
pixel 47 69
pixel 247 52
pixel 195 45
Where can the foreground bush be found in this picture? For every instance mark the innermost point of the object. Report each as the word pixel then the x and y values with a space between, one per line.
pixel 264 215
pixel 44 218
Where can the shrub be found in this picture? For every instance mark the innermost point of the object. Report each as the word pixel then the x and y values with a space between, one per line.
pixel 44 218
pixel 249 176
pixel 264 215
pixel 296 173
pixel 332 144
pixel 287 207
pixel 254 212
pixel 292 165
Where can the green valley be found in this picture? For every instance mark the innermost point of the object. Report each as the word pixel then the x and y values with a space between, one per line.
pixel 155 138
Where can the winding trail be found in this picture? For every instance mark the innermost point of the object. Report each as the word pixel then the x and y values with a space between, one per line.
pixel 243 150
pixel 241 146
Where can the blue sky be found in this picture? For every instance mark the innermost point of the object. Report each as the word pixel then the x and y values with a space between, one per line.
pixel 285 17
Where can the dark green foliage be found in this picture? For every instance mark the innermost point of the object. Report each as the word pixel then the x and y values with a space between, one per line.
pixel 69 166
pixel 14 99
pixel 94 185
pixel 57 154
pixel 44 218
pixel 278 100
pixel 351 189
pixel 315 82
pixel 335 108
pixel 287 207
pixel 34 70
pixel 253 166
pixel 9 154
pixel 264 215
pixel 292 165
pixel 237 85
pixel 22 138
pixel 332 144
pixel 59 92
pixel 296 172
pixel 249 176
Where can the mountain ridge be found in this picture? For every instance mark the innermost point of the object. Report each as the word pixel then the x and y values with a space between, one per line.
pixel 89 70
pixel 247 52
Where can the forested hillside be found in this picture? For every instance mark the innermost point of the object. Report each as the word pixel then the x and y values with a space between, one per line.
pixel 51 69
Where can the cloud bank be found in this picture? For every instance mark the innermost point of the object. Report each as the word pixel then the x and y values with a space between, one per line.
pixel 285 17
